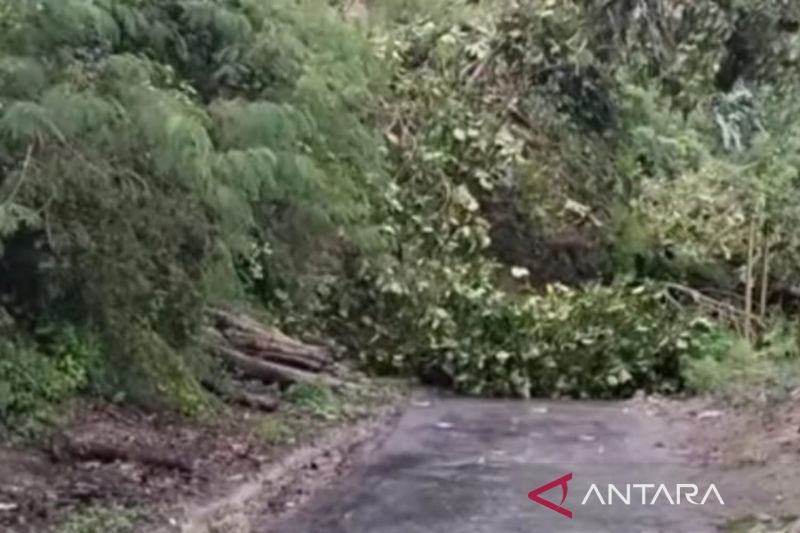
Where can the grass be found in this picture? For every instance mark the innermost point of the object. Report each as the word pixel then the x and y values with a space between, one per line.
pixel 99 519
pixel 310 408
pixel 316 400
pixel 731 367
pixel 276 430
pixel 764 524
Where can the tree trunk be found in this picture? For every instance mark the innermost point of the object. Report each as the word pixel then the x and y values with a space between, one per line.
pixel 764 278
pixel 270 350
pixel 257 340
pixel 748 285
pixel 264 353
pixel 267 371
pixel 103 444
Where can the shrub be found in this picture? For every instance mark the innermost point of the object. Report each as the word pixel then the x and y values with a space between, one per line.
pixel 33 383
pixel 726 364
pixel 97 519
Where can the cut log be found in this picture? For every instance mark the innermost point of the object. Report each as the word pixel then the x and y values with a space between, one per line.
pixel 256 346
pixel 106 445
pixel 226 319
pixel 267 340
pixel 267 371
pixel 266 354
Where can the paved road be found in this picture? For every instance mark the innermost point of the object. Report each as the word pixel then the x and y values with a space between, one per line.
pixel 467 466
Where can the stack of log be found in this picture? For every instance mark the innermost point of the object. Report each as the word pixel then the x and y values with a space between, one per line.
pixel 263 353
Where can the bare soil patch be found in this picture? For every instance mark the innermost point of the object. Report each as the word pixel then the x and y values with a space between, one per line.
pixel 735 433
pixel 144 460
pixel 755 440
pixel 122 458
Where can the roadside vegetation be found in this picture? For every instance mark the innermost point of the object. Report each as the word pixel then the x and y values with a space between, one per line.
pixel 528 198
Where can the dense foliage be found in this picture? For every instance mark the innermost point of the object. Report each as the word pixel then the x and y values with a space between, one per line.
pixel 149 148
pixel 602 142
pixel 412 186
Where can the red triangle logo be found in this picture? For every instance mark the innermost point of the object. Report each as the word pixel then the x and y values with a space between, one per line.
pixel 562 482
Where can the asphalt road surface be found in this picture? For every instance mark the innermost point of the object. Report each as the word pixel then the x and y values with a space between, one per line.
pixel 467 466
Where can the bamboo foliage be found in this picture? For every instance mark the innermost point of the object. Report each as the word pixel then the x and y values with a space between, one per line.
pixel 145 145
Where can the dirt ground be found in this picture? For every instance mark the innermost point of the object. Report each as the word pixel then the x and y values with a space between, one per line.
pixel 756 438
pixel 175 464
pixel 38 488
pixel 737 433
